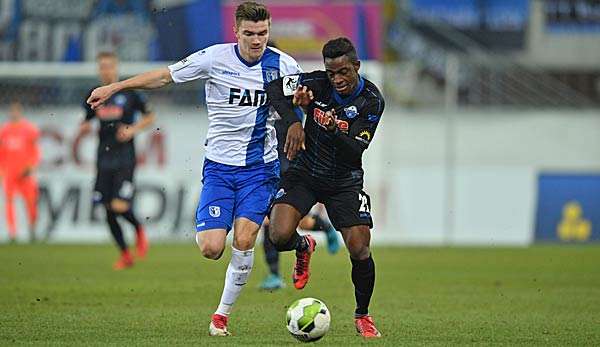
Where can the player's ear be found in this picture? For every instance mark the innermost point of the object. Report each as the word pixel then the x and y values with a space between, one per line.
pixel 235 30
pixel 356 65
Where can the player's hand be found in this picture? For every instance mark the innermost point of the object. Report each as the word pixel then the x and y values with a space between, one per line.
pixel 302 96
pixel 100 95
pixel 294 141
pixel 125 132
pixel 331 120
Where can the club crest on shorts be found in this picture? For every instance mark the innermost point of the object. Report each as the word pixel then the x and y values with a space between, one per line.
pixel 214 211
pixel 280 193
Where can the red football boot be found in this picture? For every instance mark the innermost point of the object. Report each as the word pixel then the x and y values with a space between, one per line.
pixel 125 261
pixel 301 269
pixel 366 327
pixel 218 325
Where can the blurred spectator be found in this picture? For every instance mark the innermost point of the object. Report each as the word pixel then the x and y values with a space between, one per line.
pixel 19 155
pixel 10 15
pixel 119 7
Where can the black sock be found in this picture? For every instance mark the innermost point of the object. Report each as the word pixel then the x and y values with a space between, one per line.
pixel 301 243
pixel 296 242
pixel 363 277
pixel 130 217
pixel 321 224
pixel 271 253
pixel 115 229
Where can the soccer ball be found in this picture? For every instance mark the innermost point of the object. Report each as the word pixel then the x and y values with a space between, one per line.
pixel 308 319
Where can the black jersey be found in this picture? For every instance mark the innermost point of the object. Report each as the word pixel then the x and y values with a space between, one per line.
pixel 331 154
pixel 121 109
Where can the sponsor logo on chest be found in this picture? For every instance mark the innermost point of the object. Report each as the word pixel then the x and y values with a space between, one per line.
pixel 323 120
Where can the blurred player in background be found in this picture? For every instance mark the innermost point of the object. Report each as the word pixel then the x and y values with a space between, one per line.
pixel 19 156
pixel 241 169
pixel 116 158
pixel 312 222
pixel 343 112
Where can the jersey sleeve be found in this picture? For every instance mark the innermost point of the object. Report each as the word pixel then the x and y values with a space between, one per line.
pixel 193 67
pixel 89 113
pixel 280 93
pixel 361 133
pixel 289 66
pixel 316 81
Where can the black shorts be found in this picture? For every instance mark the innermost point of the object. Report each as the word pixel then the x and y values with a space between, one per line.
pixel 284 163
pixel 114 184
pixel 346 204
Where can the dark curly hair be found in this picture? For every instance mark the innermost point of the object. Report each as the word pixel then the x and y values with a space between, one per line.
pixel 340 47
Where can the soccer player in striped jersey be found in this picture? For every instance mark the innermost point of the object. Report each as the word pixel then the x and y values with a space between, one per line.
pixel 241 170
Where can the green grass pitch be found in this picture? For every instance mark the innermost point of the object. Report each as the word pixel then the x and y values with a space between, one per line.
pixel 69 295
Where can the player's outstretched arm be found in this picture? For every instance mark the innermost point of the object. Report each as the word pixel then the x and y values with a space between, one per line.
pixel 147 80
pixel 285 106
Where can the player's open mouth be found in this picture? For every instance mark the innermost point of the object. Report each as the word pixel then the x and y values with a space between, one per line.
pixel 341 89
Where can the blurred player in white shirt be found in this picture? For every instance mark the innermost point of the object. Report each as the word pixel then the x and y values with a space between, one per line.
pixel 241 169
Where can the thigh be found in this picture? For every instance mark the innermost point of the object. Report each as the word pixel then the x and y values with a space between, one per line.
pixel 255 188
pixel 245 233
pixel 295 190
pixel 357 239
pixel 215 206
pixel 348 208
pixel 9 187
pixel 103 188
pixel 28 188
pixel 122 184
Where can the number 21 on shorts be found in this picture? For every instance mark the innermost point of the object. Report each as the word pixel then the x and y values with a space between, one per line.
pixel 365 203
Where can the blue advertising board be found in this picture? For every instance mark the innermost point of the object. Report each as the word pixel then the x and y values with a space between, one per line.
pixel 568 208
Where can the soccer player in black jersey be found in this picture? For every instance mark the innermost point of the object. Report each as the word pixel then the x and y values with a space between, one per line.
pixel 314 221
pixel 116 156
pixel 343 110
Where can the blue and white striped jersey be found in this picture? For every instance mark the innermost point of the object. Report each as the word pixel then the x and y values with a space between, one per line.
pixel 240 122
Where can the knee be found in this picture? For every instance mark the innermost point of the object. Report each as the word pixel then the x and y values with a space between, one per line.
pixel 278 237
pixel 210 250
pixel 358 248
pixel 119 206
pixel 358 251
pixel 244 242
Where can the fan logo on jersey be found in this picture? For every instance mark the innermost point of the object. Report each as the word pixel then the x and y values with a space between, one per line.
pixel 351 111
pixel 290 84
pixel 270 75
pixel 247 97
pixel 214 211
